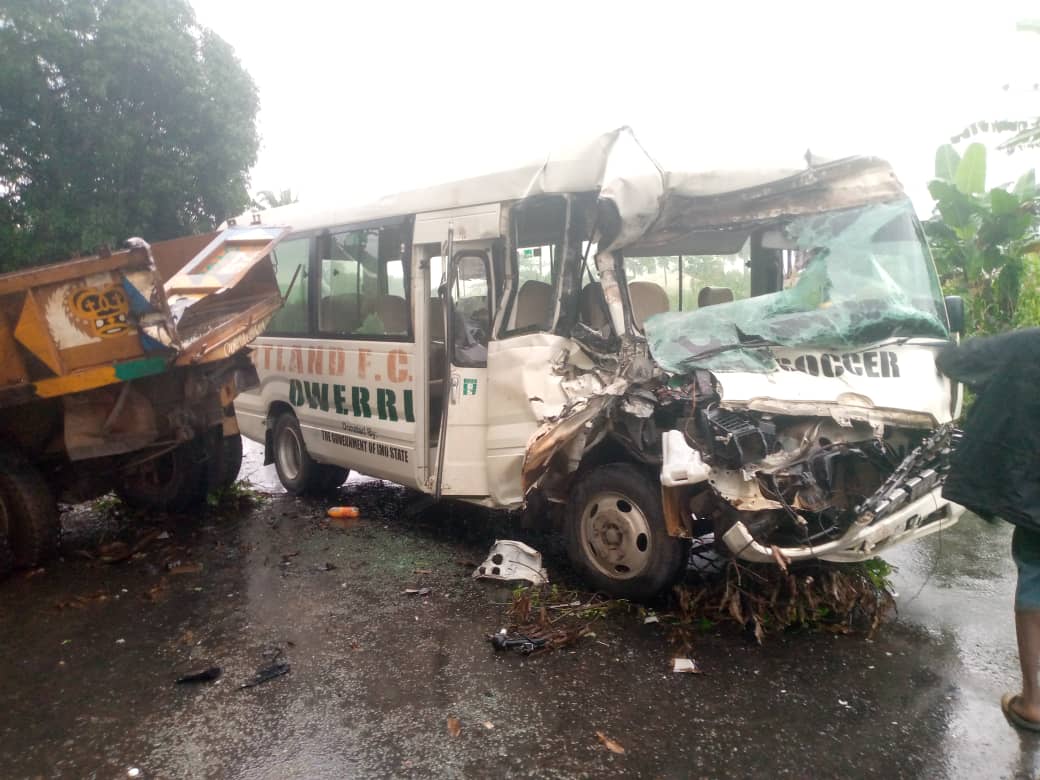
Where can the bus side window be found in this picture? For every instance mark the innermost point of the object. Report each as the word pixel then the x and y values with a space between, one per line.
pixel 537 239
pixel 364 292
pixel 291 259
pixel 472 322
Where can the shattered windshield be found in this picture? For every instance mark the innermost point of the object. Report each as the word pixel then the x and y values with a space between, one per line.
pixel 851 278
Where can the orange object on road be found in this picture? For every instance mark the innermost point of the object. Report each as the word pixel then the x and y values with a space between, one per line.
pixel 344 511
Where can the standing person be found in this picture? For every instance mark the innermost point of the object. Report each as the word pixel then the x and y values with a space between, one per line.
pixel 995 472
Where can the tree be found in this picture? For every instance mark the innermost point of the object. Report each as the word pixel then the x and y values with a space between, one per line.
pixel 269 199
pixel 117 118
pixel 985 242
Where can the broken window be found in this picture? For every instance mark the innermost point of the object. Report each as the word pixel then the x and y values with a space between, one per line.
pixel 850 278
pixel 291 260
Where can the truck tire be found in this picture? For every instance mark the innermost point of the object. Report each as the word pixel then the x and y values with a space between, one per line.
pixel 33 524
pixel 176 481
pixel 616 536
pixel 6 556
pixel 231 460
pixel 299 473
pixel 223 459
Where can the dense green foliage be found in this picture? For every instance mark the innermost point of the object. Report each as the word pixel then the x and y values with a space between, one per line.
pixel 985 241
pixel 117 118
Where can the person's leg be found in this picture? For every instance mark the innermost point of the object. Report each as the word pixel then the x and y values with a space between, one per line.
pixel 1025 549
pixel 1027 626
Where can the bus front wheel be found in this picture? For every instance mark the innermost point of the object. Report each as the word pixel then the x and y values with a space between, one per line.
pixel 297 471
pixel 616 535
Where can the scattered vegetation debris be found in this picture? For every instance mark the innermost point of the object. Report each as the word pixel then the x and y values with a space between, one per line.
pixel 416 592
pixel 454 726
pixel 685 666
pixel 266 674
pixel 422 571
pixel 183 567
pixel 610 744
pixel 234 498
pixel 326 566
pixel 205 675
pixel 78 602
pixel 841 598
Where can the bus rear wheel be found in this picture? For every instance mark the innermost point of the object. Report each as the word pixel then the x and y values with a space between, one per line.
pixel 175 481
pixel 616 535
pixel 298 472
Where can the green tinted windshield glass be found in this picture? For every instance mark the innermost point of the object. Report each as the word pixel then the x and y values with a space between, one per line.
pixel 851 278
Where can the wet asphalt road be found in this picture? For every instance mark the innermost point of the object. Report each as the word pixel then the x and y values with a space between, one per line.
pixel 90 652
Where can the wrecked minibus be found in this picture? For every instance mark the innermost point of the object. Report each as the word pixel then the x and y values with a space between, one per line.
pixel 119 372
pixel 650 357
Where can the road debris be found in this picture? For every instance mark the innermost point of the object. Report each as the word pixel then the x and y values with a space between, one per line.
pixel 610 744
pixel 344 512
pixel 183 567
pixel 205 675
pixel 685 666
pixel 454 726
pixel 416 592
pixel 266 674
pixel 509 561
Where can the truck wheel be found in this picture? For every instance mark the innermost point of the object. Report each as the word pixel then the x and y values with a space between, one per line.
pixel 616 536
pixel 224 459
pixel 298 472
pixel 173 482
pixel 231 460
pixel 33 524
pixel 6 557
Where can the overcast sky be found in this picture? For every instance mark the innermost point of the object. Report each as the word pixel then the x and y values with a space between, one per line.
pixel 365 98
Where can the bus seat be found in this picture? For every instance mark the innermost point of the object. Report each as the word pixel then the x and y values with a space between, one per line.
pixel 338 313
pixel 593 306
pixel 712 296
pixel 393 311
pixel 648 298
pixel 532 304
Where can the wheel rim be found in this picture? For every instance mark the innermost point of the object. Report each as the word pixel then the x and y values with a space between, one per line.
pixel 616 535
pixel 290 452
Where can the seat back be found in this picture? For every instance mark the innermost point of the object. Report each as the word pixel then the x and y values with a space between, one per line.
pixel 532 304
pixel 712 296
pixel 648 298
pixel 593 306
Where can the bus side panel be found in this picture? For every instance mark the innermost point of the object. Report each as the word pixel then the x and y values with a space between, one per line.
pixel 354 400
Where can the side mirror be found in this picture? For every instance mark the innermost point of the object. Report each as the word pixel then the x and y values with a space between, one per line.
pixel 955 313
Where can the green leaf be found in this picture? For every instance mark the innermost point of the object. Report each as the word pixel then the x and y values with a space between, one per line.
pixel 956 208
pixel 1025 187
pixel 946 162
pixel 971 172
pixel 1003 202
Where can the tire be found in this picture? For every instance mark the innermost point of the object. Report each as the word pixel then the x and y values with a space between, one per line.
pixel 6 556
pixel 33 526
pixel 224 460
pixel 231 455
pixel 300 474
pixel 616 536
pixel 176 481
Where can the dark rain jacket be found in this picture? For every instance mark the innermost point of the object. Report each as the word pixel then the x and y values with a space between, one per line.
pixel 995 470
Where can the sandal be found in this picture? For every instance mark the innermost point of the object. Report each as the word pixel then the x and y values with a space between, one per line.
pixel 1014 718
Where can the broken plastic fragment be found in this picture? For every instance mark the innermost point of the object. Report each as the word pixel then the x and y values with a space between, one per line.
pixel 685 665
pixel 206 675
pixel 509 560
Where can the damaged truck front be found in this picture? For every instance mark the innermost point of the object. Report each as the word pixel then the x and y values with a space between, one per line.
pixel 790 410
pixel 119 372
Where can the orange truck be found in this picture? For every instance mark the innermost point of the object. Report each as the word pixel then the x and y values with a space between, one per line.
pixel 119 372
